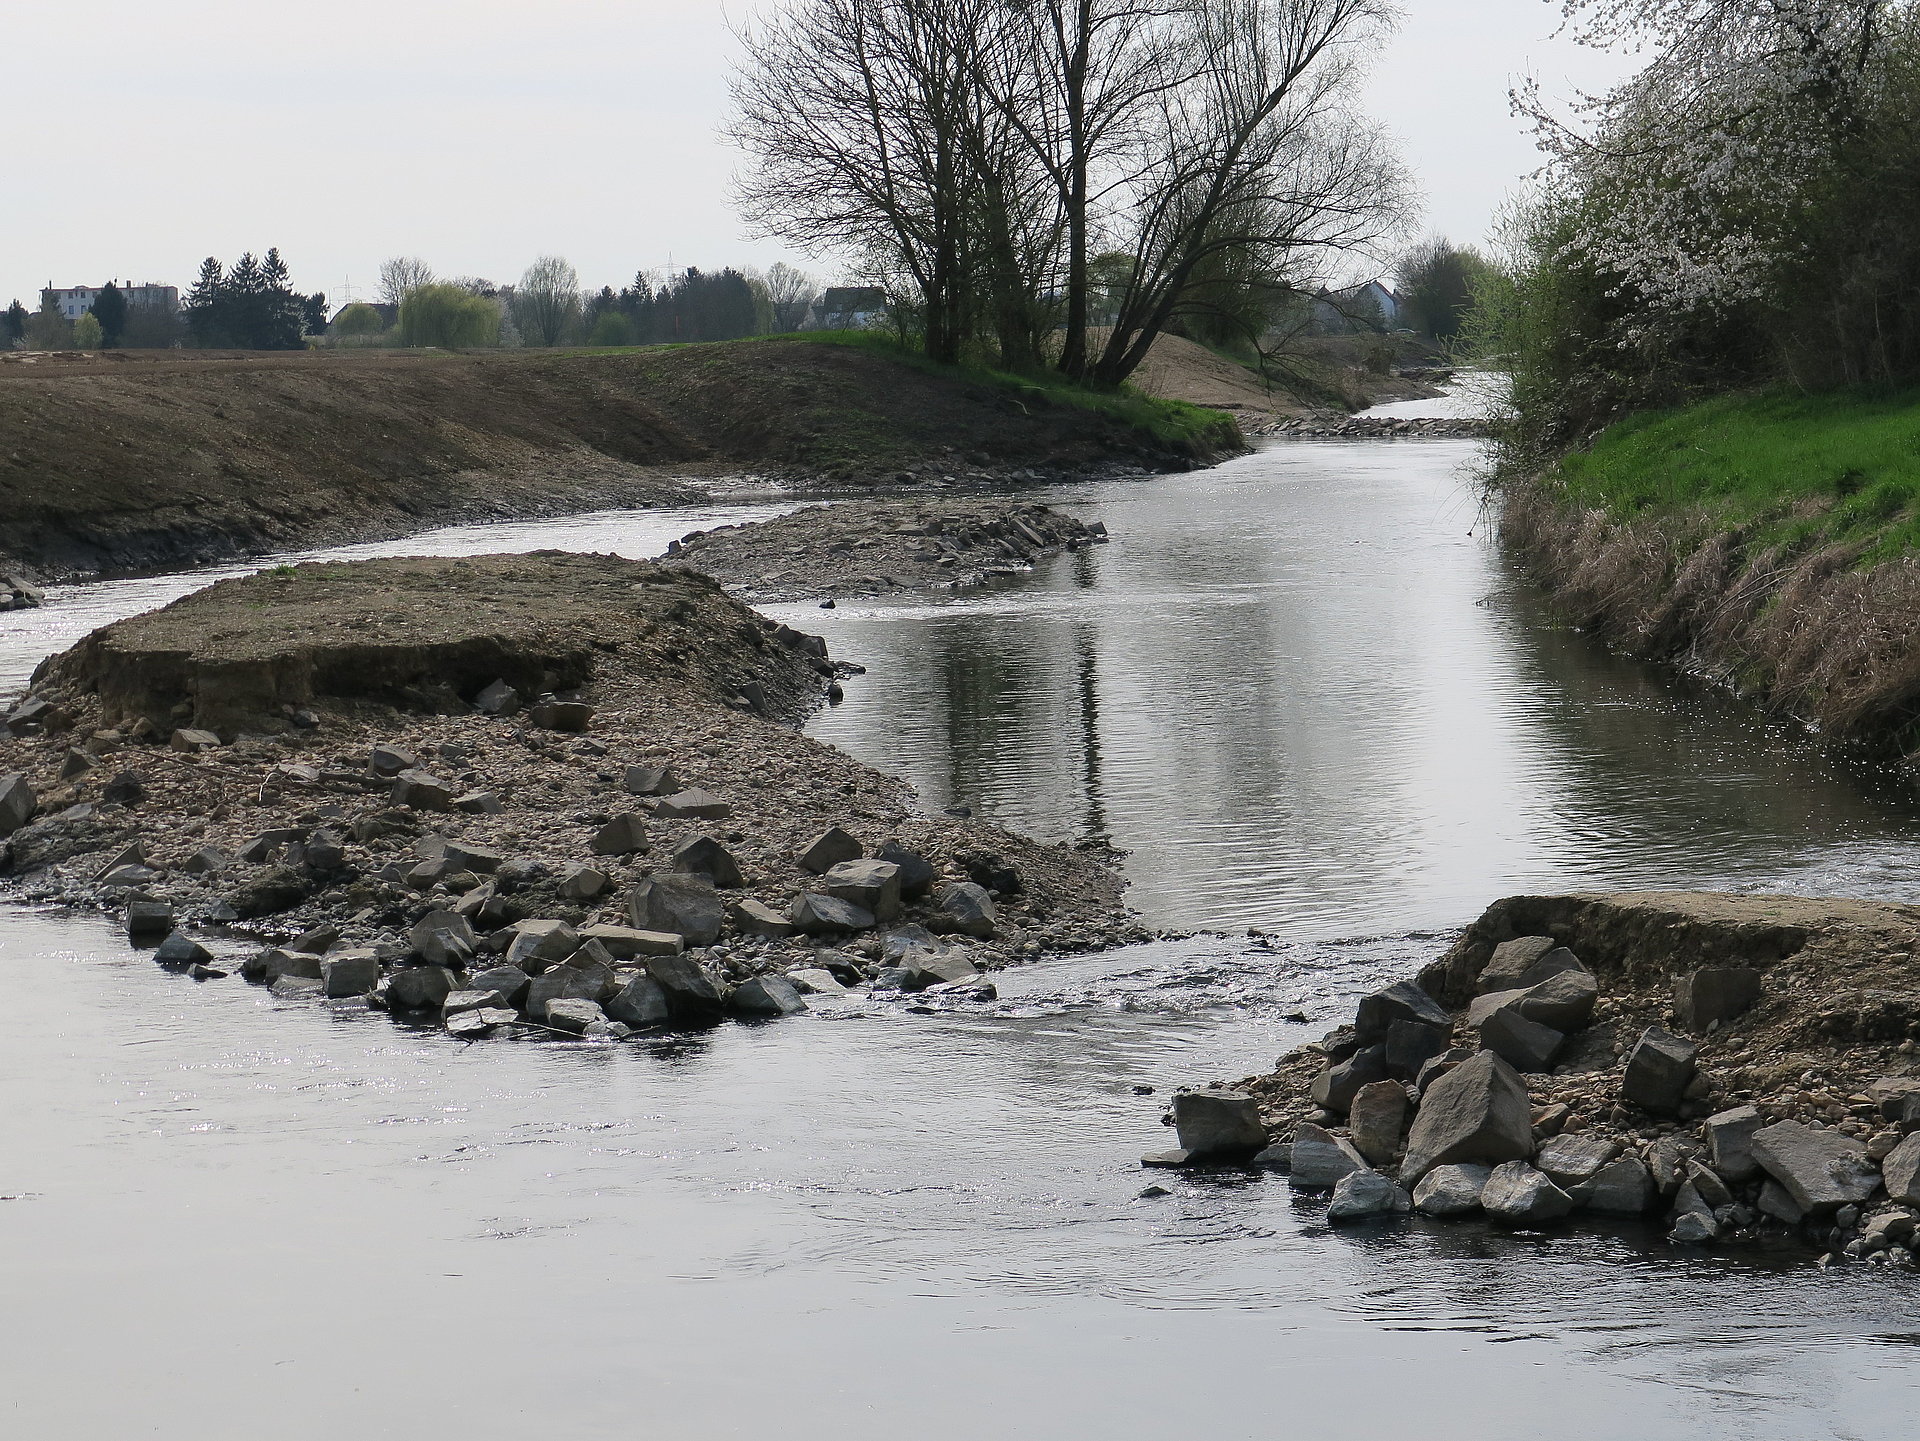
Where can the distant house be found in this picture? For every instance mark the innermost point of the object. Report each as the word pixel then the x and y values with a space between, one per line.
pixel 849 307
pixel 1359 307
pixel 77 300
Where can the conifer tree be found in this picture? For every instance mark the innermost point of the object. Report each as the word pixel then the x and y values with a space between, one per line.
pixel 110 309
pixel 208 321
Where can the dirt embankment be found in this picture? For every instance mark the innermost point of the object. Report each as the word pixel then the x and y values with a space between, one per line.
pixel 1801 632
pixel 159 460
pixel 1733 1067
pixel 543 763
pixel 881 547
pixel 1321 379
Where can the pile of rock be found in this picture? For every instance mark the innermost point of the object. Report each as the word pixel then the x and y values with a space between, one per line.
pixel 1518 1108
pixel 19 593
pixel 1356 427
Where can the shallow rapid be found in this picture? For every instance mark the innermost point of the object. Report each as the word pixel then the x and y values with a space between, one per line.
pixel 1305 694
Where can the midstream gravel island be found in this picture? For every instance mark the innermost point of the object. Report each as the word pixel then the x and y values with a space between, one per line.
pixel 1741 1068
pixel 509 794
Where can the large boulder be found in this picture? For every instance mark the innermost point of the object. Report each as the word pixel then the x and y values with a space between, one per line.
pixel 510 982
pixel 1660 1067
pixel 1377 1120
pixel 1714 995
pixel 1360 1194
pixel 966 907
pixel 1451 1190
pixel 17 803
pixel 1402 1001
pixel 442 938
pixel 624 835
pixel 572 1014
pixel 1519 1195
pixel 350 973
pixel 1319 1158
pixel 767 996
pixel 1564 1001
pixel 641 1003
pixel 1569 1161
pixel 582 977
pixel 538 944
pixel 1730 1136
pixel 1901 1170
pixel 704 856
pixel 1523 1044
pixel 1478 1111
pixel 1218 1123
pixel 685 905
pixel 1821 1170
pixel 871 885
pixel 1336 1085
pixel 419 988
pixel 819 915
pixel 693 998
pixel 1510 961
pixel 756 918
pixel 829 849
pixel 1621 1188
pixel 926 966
pixel 624 943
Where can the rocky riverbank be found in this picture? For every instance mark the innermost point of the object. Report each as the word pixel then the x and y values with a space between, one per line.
pixel 507 794
pixel 1741 1070
pixel 1373 427
pixel 880 547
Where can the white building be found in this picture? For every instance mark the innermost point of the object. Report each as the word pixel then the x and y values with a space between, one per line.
pixel 78 300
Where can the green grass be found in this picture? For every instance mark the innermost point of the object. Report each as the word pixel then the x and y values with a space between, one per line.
pixel 1838 467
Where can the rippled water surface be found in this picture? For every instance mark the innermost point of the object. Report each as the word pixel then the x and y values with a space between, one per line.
pixel 1304 693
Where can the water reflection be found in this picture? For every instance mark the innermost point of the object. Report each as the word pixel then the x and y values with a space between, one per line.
pixel 1307 693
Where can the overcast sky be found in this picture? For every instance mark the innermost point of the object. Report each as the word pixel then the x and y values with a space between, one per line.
pixel 143 135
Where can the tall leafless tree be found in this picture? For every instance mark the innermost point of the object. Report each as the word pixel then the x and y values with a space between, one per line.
pixel 790 294
pixel 400 274
pixel 546 301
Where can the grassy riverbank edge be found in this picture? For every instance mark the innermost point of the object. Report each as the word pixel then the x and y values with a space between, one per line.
pixel 1769 541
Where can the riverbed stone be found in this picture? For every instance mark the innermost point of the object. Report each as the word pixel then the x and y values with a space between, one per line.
pixel 1510 961
pixel 1336 1085
pixel 1218 1123
pixel 816 981
pixel 829 849
pixel 471 999
pixel 1451 1190
pixel 1821 1170
pixel 1377 1120
pixel 421 791
pixel 149 922
pixel 1714 995
pixel 818 915
pixel 1410 1045
pixel 1360 1194
pixel 509 982
pixel 756 918
pixel 917 873
pixel 1434 1067
pixel 705 856
pixel 1523 1044
pixel 651 781
pixel 388 761
pixel 572 1013
pixel 1706 1183
pixel 693 805
pixel 497 698
pixel 693 997
pixel 1485 1006
pixel 419 988
pixel 583 883
pixel 767 996
pixel 443 938
pixel 685 905
pixel 1402 1001
pixel 578 978
pixel 1519 1195
pixel 181 949
pixel 1901 1171
pixel 641 1003
pixel 624 943
pixel 17 803
pixel 570 716
pixel 1730 1142
pixel 1570 1160
pixel 924 967
pixel 1478 1111
pixel 350 972
pixel 624 835
pixel 1563 1001
pixel 966 907
pixel 1319 1158
pixel 1660 1067
pixel 1620 1188
pixel 871 884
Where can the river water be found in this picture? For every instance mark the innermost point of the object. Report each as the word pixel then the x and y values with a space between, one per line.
pixel 1304 692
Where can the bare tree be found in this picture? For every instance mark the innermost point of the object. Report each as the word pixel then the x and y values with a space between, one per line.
pixel 790 292
pixel 400 274
pixel 546 301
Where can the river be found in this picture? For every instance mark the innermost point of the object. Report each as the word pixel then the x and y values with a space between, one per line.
pixel 1305 694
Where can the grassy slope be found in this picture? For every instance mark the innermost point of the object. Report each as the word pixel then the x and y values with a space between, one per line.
pixel 1791 469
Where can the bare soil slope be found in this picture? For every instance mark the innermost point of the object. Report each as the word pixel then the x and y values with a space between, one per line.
pixel 155 460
